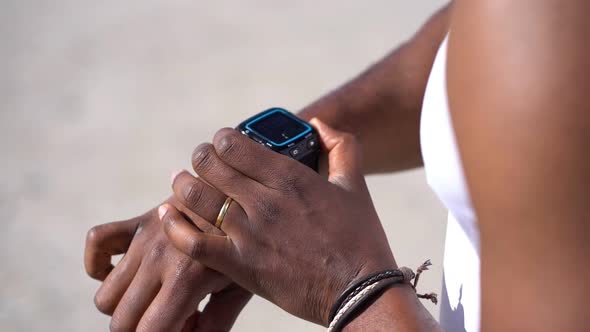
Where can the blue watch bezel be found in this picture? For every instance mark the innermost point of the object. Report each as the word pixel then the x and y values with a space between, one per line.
pixel 273 111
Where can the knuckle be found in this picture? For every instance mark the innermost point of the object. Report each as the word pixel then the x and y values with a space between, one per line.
pixel 202 158
pixel 290 182
pixel 94 236
pixel 103 304
pixel 221 132
pixel 193 193
pixel 157 252
pixel 184 265
pixel 94 273
pixel 197 248
pixel 169 224
pixel 267 208
pixel 140 227
pixel 97 271
pixel 186 272
pixel 294 184
pixel 228 144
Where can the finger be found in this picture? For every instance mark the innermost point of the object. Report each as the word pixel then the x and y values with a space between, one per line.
pixel 207 205
pixel 137 299
pixel 223 309
pixel 344 156
pixel 235 223
pixel 184 287
pixel 116 283
pixel 171 308
pixel 198 196
pixel 251 159
pixel 200 222
pixel 202 215
pixel 214 251
pixel 220 175
pixel 104 241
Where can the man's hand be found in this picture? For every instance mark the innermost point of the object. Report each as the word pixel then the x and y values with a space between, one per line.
pixel 293 236
pixel 156 287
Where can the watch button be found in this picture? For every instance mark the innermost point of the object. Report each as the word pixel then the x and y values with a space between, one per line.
pixel 295 151
pixel 312 143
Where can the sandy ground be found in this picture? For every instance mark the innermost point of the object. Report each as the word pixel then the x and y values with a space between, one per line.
pixel 101 100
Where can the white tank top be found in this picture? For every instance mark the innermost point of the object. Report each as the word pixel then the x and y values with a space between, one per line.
pixel 460 298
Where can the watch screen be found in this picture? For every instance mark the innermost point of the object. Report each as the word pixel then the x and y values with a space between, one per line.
pixel 278 127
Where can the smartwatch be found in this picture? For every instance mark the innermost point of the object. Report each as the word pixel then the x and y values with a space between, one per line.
pixel 283 132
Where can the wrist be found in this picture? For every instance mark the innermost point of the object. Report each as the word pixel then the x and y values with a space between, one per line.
pixel 396 307
pixel 369 272
pixel 341 281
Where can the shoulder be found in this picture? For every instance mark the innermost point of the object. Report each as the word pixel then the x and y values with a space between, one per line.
pixel 518 78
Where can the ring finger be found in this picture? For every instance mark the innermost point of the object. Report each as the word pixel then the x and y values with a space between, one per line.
pixel 205 201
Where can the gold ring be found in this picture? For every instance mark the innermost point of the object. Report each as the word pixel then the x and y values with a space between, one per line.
pixel 223 212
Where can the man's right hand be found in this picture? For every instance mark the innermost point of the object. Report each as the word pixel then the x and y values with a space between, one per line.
pixel 156 287
pixel 293 236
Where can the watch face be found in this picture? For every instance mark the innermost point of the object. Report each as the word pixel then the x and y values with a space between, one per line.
pixel 278 127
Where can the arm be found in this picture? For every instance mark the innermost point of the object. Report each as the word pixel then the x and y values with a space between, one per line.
pixel 390 145
pixel 519 73
pixel 398 309
pixel 371 96
pixel 382 106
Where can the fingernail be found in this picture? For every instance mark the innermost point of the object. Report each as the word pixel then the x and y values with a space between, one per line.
pixel 162 210
pixel 175 174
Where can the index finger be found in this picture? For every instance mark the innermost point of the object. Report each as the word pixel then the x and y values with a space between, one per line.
pixel 104 241
pixel 257 162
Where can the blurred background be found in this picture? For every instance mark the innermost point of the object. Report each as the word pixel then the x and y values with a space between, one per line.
pixel 101 100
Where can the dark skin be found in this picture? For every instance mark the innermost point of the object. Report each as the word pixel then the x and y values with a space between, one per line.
pixel 382 106
pixel 369 96
pixel 155 287
pixel 518 74
pixel 292 236
pixel 519 92
pixel 270 199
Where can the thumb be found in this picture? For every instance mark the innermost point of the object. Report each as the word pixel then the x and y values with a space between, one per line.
pixel 344 156
pixel 214 251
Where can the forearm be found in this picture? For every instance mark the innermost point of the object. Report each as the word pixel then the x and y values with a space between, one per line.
pixel 398 309
pixel 382 105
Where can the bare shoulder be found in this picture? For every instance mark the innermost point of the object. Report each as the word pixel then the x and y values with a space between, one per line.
pixel 519 78
pixel 538 47
pixel 519 94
